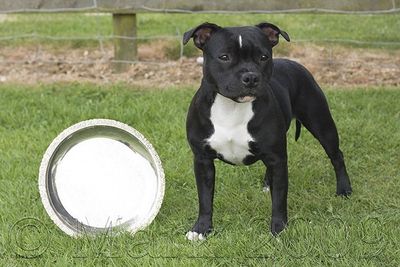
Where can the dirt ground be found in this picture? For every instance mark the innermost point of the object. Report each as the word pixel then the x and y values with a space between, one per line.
pixel 334 66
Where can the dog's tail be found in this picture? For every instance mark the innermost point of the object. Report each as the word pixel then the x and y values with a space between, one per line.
pixel 298 130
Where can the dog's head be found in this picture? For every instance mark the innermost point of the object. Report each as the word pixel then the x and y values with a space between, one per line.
pixel 237 60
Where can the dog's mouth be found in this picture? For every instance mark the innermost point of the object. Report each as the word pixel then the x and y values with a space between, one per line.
pixel 240 96
pixel 245 99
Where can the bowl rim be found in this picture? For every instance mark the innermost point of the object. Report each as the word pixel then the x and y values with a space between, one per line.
pixel 52 149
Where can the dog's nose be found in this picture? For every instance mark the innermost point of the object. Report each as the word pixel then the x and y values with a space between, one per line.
pixel 250 79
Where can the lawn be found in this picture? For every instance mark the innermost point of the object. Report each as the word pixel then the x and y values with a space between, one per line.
pixel 311 27
pixel 324 230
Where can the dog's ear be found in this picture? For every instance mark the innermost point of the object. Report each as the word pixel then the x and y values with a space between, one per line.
pixel 272 32
pixel 201 34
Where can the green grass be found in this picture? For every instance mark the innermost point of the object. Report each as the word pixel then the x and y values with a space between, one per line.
pixel 317 27
pixel 324 229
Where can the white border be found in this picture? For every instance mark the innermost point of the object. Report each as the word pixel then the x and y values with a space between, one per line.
pixel 82 125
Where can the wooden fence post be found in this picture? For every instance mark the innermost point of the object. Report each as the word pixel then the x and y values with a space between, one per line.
pixel 125 48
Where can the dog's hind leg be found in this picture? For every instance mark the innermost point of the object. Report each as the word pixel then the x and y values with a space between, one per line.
pixel 267 180
pixel 311 108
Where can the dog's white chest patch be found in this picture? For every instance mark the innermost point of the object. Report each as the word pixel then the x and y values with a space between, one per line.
pixel 231 137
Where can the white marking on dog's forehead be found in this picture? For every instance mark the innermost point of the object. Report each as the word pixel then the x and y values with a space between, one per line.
pixel 240 41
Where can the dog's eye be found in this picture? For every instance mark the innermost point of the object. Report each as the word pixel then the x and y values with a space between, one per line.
pixel 264 58
pixel 224 57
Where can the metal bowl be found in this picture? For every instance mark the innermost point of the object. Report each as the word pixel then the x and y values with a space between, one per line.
pixel 101 175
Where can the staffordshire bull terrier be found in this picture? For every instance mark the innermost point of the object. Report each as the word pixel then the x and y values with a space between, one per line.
pixel 243 110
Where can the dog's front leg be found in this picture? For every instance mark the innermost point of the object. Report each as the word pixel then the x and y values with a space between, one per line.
pixel 204 171
pixel 279 190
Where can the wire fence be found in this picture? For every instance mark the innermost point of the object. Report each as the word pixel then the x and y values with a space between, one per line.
pixel 198 7
pixel 104 50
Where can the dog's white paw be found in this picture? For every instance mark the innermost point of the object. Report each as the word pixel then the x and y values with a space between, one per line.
pixel 194 236
pixel 266 189
pixel 200 60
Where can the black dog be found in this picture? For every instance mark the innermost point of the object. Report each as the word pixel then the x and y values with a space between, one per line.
pixel 243 109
